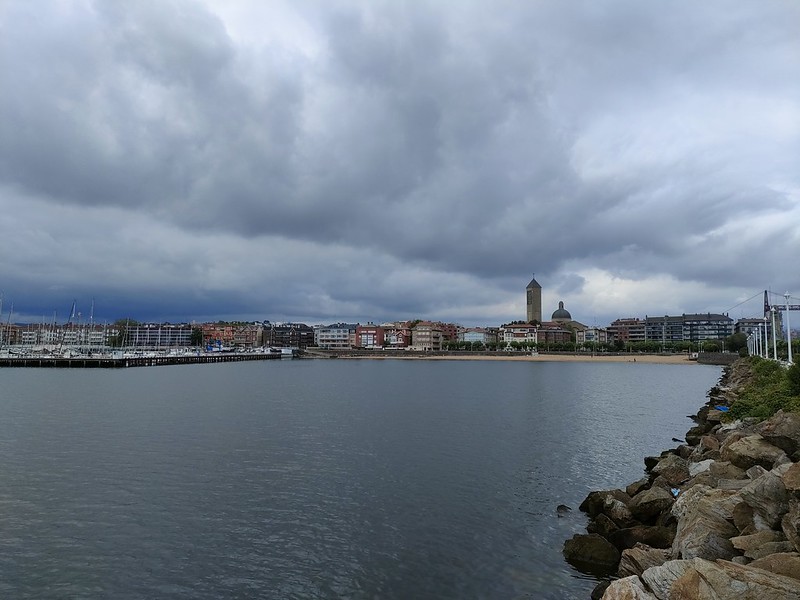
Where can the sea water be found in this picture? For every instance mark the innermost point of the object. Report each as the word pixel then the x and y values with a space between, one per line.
pixel 320 478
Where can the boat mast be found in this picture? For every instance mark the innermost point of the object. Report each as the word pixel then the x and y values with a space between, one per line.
pixel 64 332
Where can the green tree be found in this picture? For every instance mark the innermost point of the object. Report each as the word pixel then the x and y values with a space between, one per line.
pixel 793 377
pixel 736 342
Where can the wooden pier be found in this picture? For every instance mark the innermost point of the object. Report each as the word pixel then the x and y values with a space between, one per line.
pixel 104 362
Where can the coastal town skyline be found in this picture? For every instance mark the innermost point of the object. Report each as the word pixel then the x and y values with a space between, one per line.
pixel 534 313
pixel 315 162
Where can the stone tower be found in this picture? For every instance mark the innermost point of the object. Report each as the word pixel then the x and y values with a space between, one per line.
pixel 534 301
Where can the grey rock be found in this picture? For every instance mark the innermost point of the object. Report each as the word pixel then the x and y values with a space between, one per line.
pixel 723 469
pixel 768 497
pixel 783 431
pixel 746 543
pixel 617 511
pixel 750 451
pixel 647 505
pixel 783 563
pixel 709 442
pixel 602 525
pixel 638 559
pixel 673 469
pixel 699 467
pixel 659 579
pixel 705 524
pixel 594 501
pixel 637 486
pixel 791 480
pixel 651 535
pixel 725 580
pixel 790 524
pixel 628 588
pixel 768 549
pixel 591 553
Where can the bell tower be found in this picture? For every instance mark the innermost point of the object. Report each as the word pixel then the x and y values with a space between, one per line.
pixel 534 301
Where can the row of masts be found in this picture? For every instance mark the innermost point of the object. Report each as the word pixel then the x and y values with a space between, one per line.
pixel 54 335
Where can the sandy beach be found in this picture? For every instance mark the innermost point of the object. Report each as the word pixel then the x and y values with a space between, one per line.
pixel 643 358
pixel 673 359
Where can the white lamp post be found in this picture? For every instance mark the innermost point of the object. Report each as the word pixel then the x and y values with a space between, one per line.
pixel 766 339
pixel 788 327
pixel 774 341
pixel 759 341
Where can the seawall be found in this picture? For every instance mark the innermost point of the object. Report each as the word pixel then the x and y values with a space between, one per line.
pixel 718 516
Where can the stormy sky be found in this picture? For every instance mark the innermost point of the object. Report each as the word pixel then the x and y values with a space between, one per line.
pixel 319 161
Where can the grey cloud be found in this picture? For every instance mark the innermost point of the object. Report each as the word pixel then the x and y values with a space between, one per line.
pixel 486 142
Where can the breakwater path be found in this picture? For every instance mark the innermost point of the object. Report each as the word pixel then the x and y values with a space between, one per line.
pixel 716 517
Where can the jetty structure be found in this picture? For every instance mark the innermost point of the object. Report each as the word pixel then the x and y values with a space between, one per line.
pixel 118 360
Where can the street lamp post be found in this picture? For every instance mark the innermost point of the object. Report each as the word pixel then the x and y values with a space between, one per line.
pixel 788 327
pixel 766 339
pixel 760 342
pixel 774 342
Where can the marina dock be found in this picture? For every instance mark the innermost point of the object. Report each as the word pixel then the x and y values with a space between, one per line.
pixel 106 362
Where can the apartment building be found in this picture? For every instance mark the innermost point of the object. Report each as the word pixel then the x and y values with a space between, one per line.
pixel 370 336
pixel 481 335
pixel 427 336
pixel 156 335
pixel 626 330
pixel 287 335
pixel 336 336
pixel 397 335
pixel 518 332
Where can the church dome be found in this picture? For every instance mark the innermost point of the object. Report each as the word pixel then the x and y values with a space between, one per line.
pixel 561 314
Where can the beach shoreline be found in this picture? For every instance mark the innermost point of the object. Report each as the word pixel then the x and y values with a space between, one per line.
pixel 672 359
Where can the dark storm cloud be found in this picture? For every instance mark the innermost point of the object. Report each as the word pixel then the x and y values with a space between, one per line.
pixel 399 141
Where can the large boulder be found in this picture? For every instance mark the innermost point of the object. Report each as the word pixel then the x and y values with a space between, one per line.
pixel 768 498
pixel 720 502
pixel 659 579
pixel 673 468
pixel 747 543
pixel 594 502
pixel 646 506
pixel 656 536
pixel 783 431
pixel 709 442
pixel 700 467
pixel 602 525
pixel 638 559
pixel 782 563
pixel 724 580
pixel 637 486
pixel 722 469
pixel 769 549
pixel 750 451
pixel 591 553
pixel 705 524
pixel 790 524
pixel 618 512
pixel 628 588
pixel 791 480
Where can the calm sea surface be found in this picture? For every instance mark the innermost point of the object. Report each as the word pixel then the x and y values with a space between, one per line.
pixel 320 479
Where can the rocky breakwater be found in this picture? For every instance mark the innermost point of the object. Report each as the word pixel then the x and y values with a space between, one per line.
pixel 717 517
